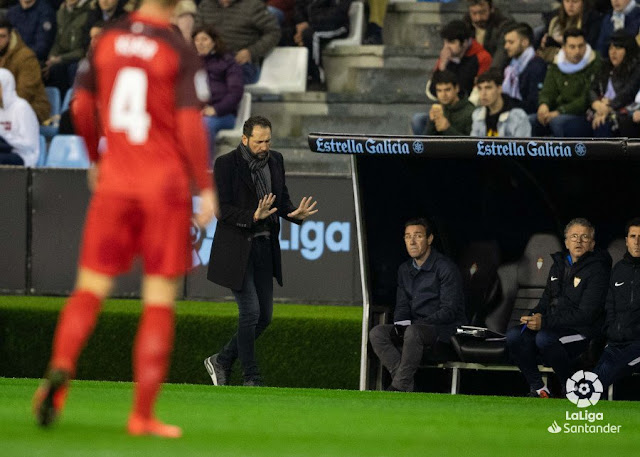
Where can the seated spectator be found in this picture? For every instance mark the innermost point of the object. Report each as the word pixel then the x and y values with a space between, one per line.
pixel 572 14
pixel 19 132
pixel 429 308
pixel 629 125
pixel 524 75
pixel 563 98
pixel 35 21
pixel 451 115
pixel 225 83
pixel 569 314
pixel 69 45
pixel 16 57
pixel 377 13
pixel 622 313
pixel 615 85
pixel 248 29
pixel 282 10
pixel 317 22
pixel 625 15
pixel 489 25
pixel 498 114
pixel 462 55
pixel 103 11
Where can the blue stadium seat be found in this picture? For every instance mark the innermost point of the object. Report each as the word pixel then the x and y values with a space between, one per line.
pixel 53 94
pixel 42 158
pixel 67 151
pixel 67 101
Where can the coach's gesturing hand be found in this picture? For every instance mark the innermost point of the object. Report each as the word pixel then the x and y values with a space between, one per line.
pixel 305 209
pixel 264 209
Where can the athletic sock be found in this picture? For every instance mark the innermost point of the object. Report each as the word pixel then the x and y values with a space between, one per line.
pixel 75 324
pixel 151 352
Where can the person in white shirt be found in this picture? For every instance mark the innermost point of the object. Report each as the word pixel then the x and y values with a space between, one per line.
pixel 19 129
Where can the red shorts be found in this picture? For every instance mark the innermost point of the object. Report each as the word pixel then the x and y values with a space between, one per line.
pixel 117 229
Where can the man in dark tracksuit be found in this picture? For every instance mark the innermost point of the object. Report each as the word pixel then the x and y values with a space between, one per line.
pixel 245 256
pixel 429 307
pixel 569 313
pixel 317 22
pixel 622 322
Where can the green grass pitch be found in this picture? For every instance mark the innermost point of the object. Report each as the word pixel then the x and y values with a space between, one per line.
pixel 238 421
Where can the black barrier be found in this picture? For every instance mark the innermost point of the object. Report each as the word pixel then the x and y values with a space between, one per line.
pixel 13 229
pixel 468 148
pixel 319 258
pixel 59 201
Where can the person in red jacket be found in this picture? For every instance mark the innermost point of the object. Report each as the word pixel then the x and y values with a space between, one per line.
pixel 462 55
pixel 141 205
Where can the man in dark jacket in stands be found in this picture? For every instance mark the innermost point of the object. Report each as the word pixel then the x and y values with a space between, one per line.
pixel 35 21
pixel 317 22
pixel 525 72
pixel 246 26
pixel 622 322
pixel 489 23
pixel 570 312
pixel 429 308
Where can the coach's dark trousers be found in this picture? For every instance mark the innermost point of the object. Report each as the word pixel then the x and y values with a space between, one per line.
pixel 255 309
pixel 402 362
pixel 525 346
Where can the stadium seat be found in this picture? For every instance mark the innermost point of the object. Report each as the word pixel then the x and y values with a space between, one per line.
pixel 478 266
pixel 284 69
pixel 50 130
pixel 66 102
pixel 244 111
pixel 617 249
pixel 356 28
pixel 67 151
pixel 521 286
pixel 42 158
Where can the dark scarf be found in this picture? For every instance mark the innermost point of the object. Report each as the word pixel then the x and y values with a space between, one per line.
pixel 258 174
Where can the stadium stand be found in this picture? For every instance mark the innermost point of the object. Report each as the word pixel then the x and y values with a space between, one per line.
pixel 244 111
pixel 67 151
pixel 356 28
pixel 283 70
pixel 42 158
pixel 50 130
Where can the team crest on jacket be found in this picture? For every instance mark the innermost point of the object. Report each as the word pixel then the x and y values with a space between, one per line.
pixel 539 263
pixel 576 281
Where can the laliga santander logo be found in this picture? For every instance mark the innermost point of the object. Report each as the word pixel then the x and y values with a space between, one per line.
pixel 584 389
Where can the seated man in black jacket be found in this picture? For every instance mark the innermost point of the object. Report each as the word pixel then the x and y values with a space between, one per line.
pixel 429 307
pixel 622 322
pixel 569 313
pixel 317 22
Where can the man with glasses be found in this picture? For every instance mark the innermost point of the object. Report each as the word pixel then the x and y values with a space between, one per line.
pixel 569 314
pixel 429 308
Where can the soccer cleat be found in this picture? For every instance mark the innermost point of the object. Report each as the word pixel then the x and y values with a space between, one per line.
pixel 139 426
pixel 542 394
pixel 219 374
pixel 50 396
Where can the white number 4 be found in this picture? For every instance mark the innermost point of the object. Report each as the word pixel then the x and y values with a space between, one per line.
pixel 128 105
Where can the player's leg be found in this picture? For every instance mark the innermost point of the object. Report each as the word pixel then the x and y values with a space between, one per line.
pixel 108 247
pixel 75 324
pixel 151 354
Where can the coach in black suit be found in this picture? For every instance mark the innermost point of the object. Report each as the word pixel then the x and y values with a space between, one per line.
pixel 245 255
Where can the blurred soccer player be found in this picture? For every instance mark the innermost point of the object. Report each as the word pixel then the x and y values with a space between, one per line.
pixel 142 201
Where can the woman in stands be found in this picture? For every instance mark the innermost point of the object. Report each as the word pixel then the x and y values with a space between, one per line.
pixel 225 83
pixel 571 14
pixel 615 86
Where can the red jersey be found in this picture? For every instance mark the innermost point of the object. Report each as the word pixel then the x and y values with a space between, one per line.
pixel 145 86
